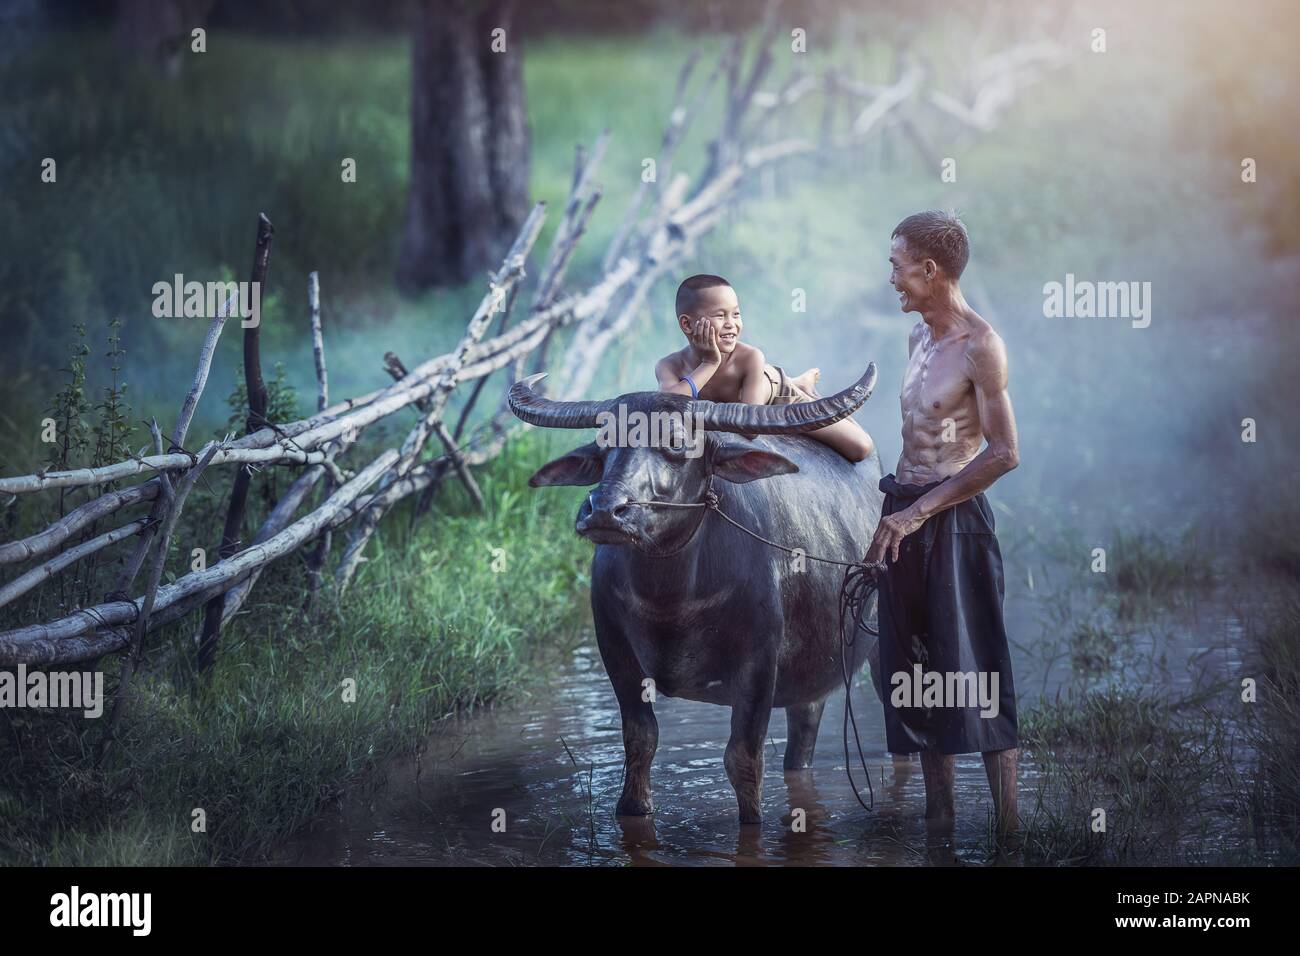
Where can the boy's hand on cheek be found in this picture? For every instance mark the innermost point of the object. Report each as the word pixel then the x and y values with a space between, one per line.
pixel 705 341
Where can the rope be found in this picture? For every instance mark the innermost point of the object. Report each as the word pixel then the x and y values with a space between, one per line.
pixel 861 582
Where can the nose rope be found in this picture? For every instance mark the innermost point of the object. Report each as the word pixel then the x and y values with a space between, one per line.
pixel 861 583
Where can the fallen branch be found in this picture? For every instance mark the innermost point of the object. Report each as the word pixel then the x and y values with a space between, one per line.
pixel 335 511
pixel 39 575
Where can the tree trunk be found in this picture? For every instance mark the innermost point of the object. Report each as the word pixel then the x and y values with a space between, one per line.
pixel 469 143
pixel 158 31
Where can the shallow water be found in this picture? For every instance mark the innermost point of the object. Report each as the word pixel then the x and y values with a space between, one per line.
pixel 553 764
pixel 550 766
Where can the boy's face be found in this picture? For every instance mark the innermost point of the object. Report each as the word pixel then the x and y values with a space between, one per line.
pixel 720 308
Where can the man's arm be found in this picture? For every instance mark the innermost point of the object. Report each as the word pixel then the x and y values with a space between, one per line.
pixel 987 367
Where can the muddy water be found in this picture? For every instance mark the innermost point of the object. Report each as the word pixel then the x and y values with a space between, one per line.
pixel 552 763
pixel 550 767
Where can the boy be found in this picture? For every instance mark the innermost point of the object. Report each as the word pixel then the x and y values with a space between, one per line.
pixel 717 366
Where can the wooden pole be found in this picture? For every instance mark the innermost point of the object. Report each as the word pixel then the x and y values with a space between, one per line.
pixel 256 419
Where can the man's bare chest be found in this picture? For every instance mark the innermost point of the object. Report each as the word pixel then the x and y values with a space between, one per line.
pixel 936 383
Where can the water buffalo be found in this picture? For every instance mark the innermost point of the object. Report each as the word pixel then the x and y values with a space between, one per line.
pixel 684 598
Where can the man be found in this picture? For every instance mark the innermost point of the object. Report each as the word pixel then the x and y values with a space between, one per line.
pixel 717 366
pixel 941 590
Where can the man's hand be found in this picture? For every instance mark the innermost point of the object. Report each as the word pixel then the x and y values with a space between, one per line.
pixel 890 534
pixel 704 339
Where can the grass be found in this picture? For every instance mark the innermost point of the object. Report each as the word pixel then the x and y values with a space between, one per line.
pixel 1273 729
pixel 1161 770
pixel 1150 571
pixel 428 627
pixel 1187 772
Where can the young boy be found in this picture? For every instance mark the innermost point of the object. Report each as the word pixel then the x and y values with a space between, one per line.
pixel 723 369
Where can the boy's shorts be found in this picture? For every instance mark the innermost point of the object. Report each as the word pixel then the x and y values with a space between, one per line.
pixel 783 391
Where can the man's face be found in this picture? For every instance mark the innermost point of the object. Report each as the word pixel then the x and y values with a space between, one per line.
pixel 721 309
pixel 911 278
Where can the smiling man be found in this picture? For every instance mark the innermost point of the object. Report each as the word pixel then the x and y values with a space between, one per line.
pixel 941 591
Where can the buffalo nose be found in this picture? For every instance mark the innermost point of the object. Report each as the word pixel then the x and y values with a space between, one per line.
pixel 608 509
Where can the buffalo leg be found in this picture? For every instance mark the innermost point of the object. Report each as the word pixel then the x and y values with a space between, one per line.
pixel 750 713
pixel 802 721
pixel 640 740
pixel 640 729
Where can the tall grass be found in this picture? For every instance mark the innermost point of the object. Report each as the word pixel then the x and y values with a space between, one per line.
pixel 1162 771
pixel 1186 773
pixel 1274 727
pixel 436 621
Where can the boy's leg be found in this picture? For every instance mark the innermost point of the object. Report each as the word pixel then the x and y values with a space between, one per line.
pixel 807 382
pixel 846 437
pixel 784 390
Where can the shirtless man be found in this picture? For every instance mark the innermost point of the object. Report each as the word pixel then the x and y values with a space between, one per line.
pixel 717 366
pixel 941 590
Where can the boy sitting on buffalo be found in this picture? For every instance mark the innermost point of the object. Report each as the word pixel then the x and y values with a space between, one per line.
pixel 715 365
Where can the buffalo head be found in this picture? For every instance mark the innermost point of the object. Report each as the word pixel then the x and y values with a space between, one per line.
pixel 665 448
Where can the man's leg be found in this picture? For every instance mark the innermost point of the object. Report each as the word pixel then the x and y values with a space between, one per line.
pixel 940 800
pixel 1000 766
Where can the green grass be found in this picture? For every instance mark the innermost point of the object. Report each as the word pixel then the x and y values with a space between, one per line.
pixel 427 628
pixel 1274 724
pixel 1187 775
pixel 1161 769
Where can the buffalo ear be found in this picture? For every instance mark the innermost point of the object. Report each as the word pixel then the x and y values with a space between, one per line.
pixel 582 466
pixel 739 464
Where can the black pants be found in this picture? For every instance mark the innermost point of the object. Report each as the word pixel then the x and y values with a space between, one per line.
pixel 941 609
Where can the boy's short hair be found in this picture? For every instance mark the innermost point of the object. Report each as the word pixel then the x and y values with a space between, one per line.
pixel 688 293
pixel 936 235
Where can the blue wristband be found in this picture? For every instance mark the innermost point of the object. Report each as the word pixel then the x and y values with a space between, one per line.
pixel 695 392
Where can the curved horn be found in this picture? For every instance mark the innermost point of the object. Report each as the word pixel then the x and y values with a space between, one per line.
pixel 788 419
pixel 536 409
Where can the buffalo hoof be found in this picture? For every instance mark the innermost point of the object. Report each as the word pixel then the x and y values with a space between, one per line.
pixel 630 806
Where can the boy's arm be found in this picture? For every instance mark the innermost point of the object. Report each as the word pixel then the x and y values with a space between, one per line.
pixel 705 339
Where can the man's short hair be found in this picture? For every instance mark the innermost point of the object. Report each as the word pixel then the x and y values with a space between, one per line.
pixel 940 236
pixel 688 293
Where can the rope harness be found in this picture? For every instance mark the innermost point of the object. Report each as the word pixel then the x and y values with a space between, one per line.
pixel 860 585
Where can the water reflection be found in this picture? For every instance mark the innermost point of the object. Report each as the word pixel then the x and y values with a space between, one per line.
pixel 547 772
